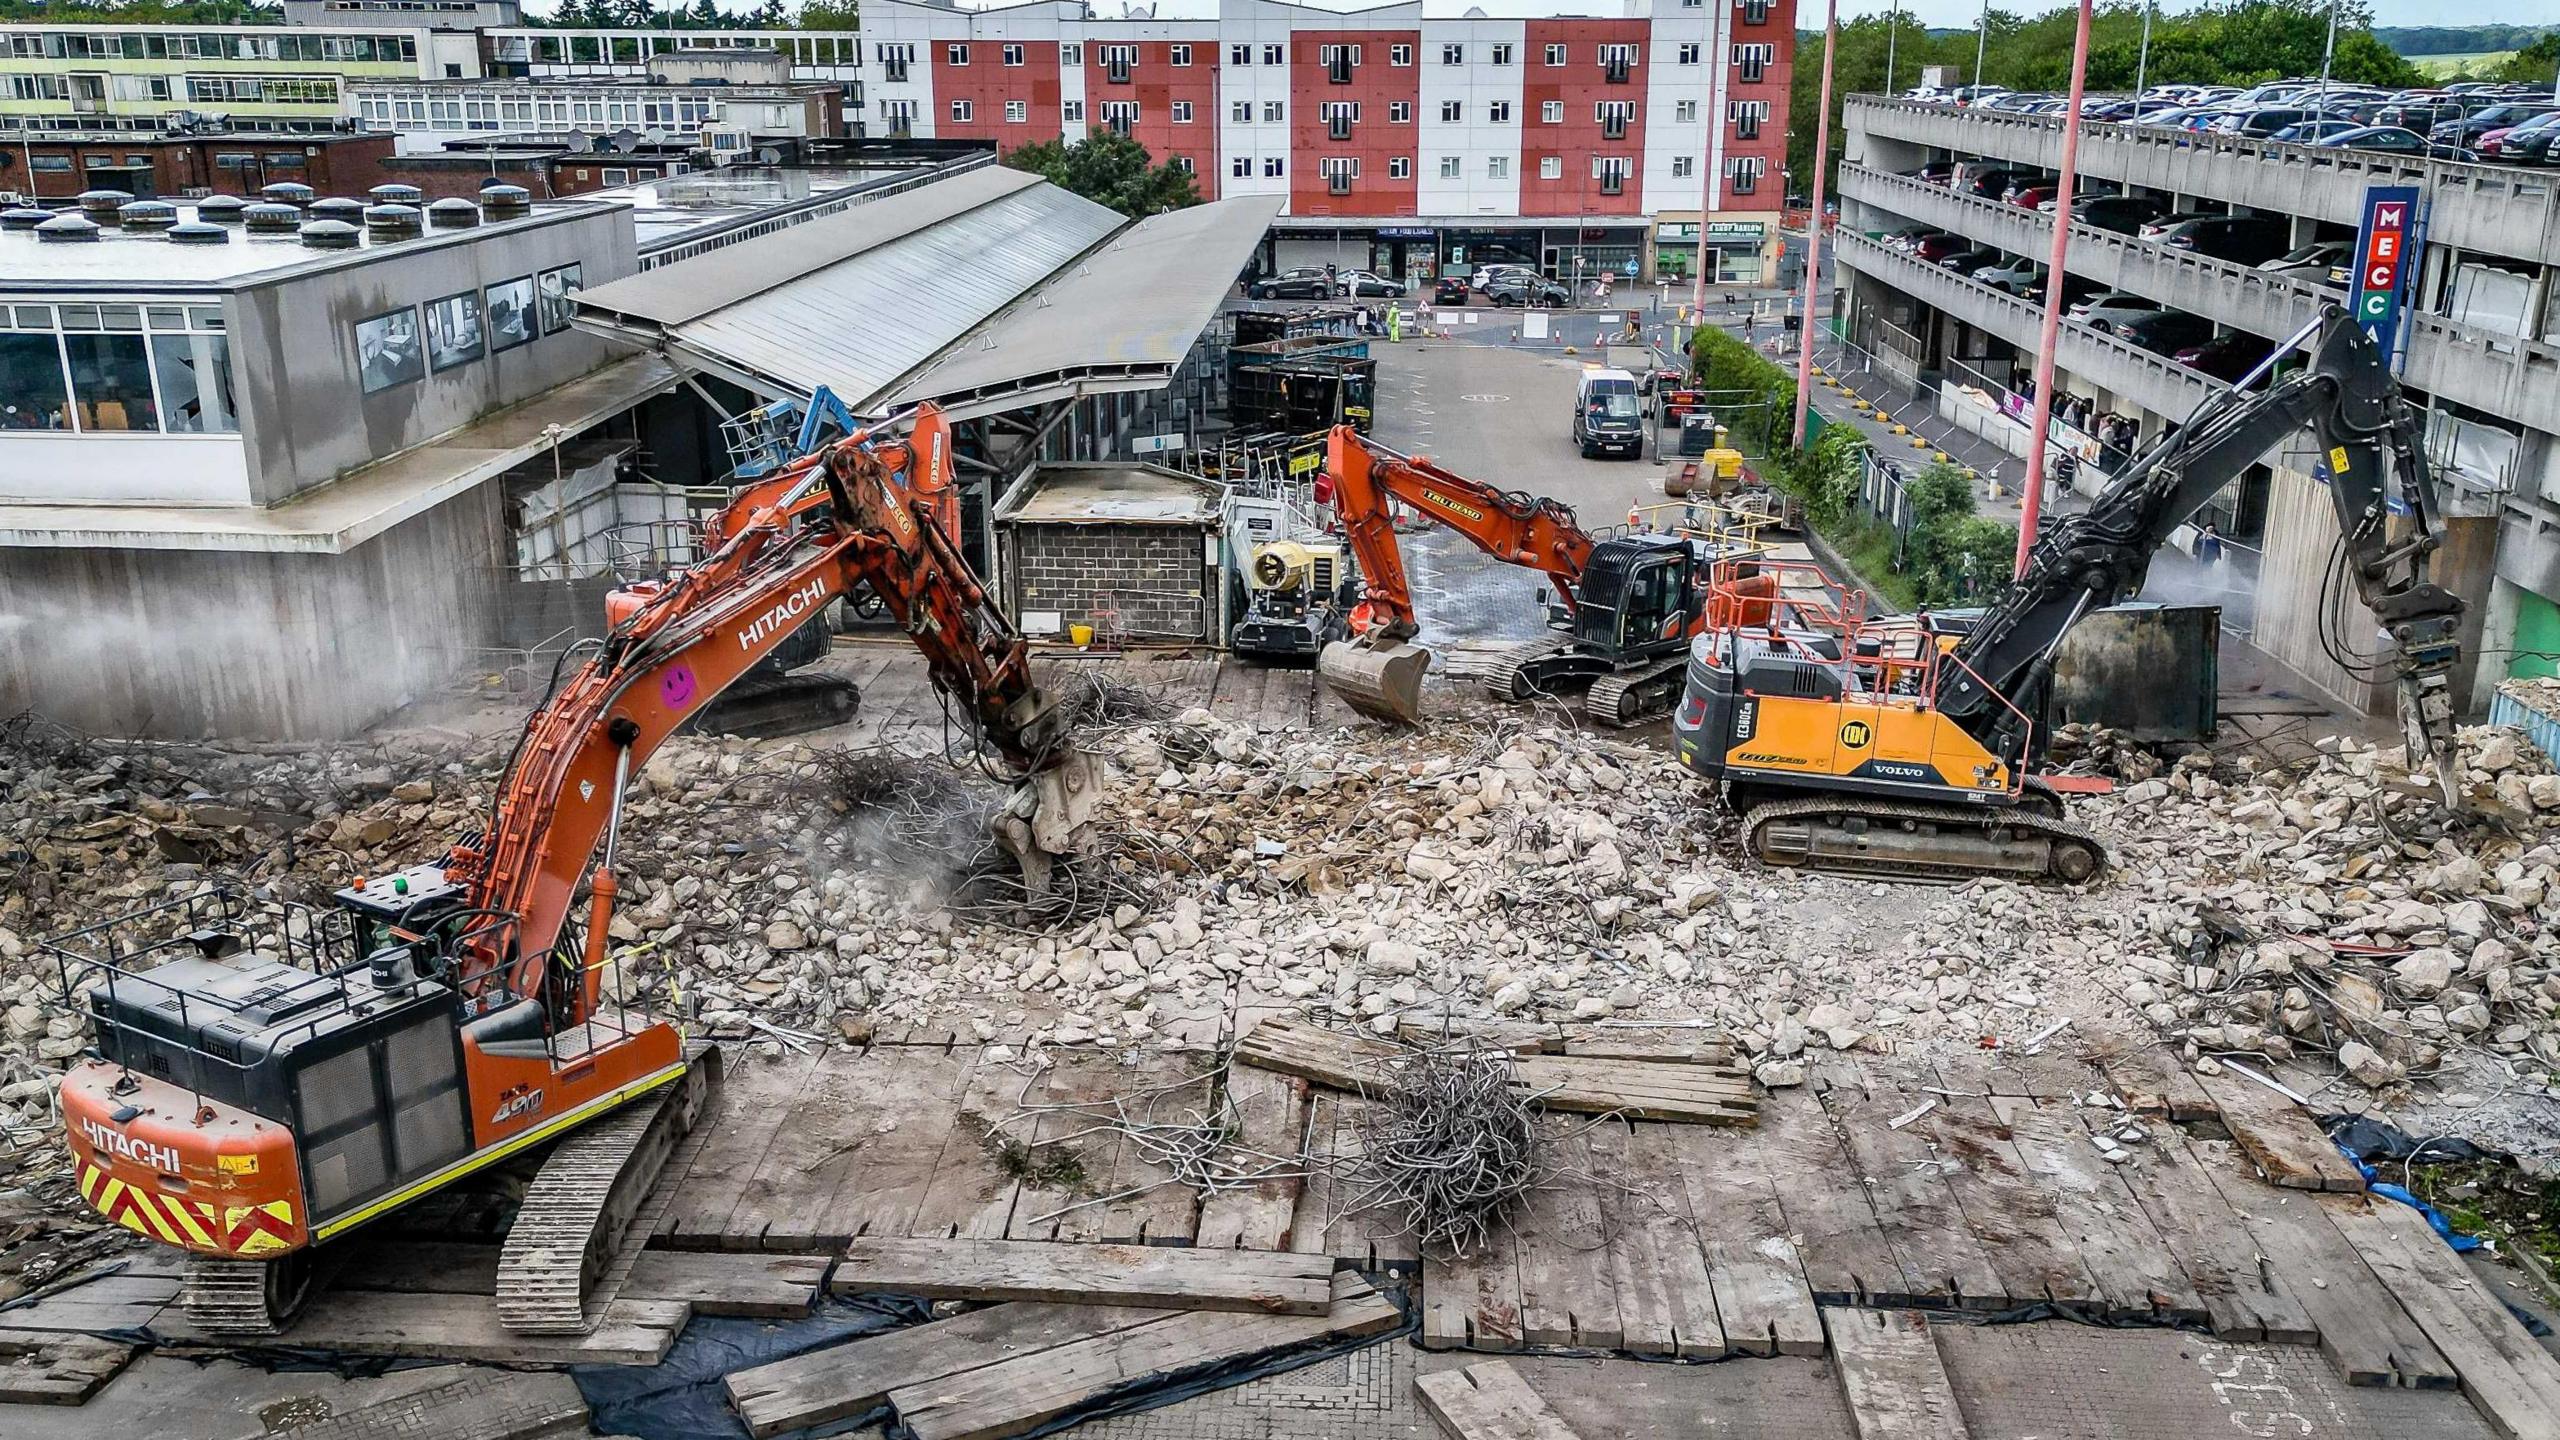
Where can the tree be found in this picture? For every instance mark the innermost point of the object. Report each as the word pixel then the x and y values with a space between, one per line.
pixel 2535 64
pixel 1110 169
pixel 830 15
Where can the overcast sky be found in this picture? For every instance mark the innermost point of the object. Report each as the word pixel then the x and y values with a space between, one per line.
pixel 1934 12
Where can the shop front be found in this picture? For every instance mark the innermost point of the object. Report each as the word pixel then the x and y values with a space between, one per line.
pixel 1406 252
pixel 1736 249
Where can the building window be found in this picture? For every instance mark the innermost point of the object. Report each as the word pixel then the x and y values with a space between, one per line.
pixel 1399 167
pixel 1747 116
pixel 1241 167
pixel 1745 172
pixel 1273 112
pixel 964 111
pixel 1185 165
pixel 1273 167
pixel 1275 55
pixel 1499 112
pixel 1239 54
pixel 1013 55
pixel 1071 54
pixel 1683 166
pixel 1617 57
pixel 1120 116
pixel 1181 54
pixel 1689 54
pixel 1497 167
pixel 1502 53
pixel 1555 54
pixel 1451 112
pixel 1399 112
pixel 1240 111
pixel 1753 60
pixel 110 376
pixel 1399 54
pixel 1684 111
pixel 1755 12
pixel 1072 112
pixel 1449 167
pixel 1453 54
pixel 1551 112
pixel 956 54
pixel 1017 112
pixel 1331 53
pixel 32 393
pixel 1181 112
pixel 1550 167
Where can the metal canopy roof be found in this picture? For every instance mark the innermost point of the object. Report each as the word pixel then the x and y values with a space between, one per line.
pixel 857 301
pixel 1122 318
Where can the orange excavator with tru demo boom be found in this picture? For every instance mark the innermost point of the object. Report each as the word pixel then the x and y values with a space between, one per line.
pixel 1626 605
pixel 270 1076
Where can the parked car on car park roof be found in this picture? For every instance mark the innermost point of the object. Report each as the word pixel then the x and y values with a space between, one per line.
pixel 2394 141
pixel 2163 332
pixel 2239 239
pixel 2108 305
pixel 2224 357
pixel 2315 263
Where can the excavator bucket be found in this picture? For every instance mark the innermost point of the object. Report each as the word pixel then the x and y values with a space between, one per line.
pixel 1384 683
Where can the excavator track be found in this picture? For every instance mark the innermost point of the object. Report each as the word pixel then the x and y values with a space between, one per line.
pixel 247 1297
pixel 1847 834
pixel 571 1230
pixel 1506 677
pixel 1634 696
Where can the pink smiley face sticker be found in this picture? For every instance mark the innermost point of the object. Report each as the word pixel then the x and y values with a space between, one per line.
pixel 676 687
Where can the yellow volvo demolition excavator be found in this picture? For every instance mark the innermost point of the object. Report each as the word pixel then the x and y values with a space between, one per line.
pixel 1907 749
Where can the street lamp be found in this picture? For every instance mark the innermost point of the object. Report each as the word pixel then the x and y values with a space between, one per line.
pixel 1892 33
pixel 1980 45
pixel 2328 53
pixel 2142 64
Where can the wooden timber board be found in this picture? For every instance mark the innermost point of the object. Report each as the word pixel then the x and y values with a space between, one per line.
pixel 1369 1237
pixel 837 1382
pixel 1017 1395
pixel 2363 1331
pixel 1906 1180
pixel 712 1282
pixel 1472 1301
pixel 2280 1137
pixel 1666 1300
pixel 1567 1295
pixel 1489 1401
pixel 1826 1202
pixel 42 1368
pixel 859 1150
pixel 1674 1091
pixel 1274 1282
pixel 1892 1376
pixel 2152 1081
pixel 755 1099
pixel 2128 1261
pixel 1270 1113
pixel 2017 1218
pixel 971 1192
pixel 460 1327
pixel 1144 1204
pixel 2210 1243
pixel 1763 1303
pixel 1070 1148
pixel 2509 1376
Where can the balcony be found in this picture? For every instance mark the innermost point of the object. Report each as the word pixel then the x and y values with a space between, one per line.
pixel 2493 209
pixel 2154 382
pixel 2235 295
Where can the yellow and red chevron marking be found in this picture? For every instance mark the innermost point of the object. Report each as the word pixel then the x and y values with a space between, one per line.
pixel 166 1218
pixel 257 1229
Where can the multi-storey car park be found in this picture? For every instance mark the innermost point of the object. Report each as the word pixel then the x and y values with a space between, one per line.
pixel 2480 341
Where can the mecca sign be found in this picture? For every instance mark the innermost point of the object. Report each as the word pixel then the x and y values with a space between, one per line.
pixel 2381 259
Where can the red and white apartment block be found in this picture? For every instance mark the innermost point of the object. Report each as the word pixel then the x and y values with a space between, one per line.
pixel 1404 143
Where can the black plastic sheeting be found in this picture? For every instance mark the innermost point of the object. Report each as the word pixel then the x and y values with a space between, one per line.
pixel 680 1397
pixel 2375 1141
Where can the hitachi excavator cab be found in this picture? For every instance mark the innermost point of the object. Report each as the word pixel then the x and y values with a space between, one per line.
pixel 1638 595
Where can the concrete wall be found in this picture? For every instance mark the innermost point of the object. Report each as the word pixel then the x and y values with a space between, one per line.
pixel 304 413
pixel 183 644
pixel 1148 582
pixel 2302 530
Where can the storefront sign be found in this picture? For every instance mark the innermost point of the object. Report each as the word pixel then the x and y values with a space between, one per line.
pixel 1736 230
pixel 2381 258
pixel 1686 230
pixel 1407 232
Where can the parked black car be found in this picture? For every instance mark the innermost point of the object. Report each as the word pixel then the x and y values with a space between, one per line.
pixel 1967 262
pixel 2124 214
pixel 1449 290
pixel 2165 332
pixel 2224 357
pixel 2392 141
pixel 2240 239
pixel 2466 132
pixel 1292 285
pixel 1518 287
pixel 2538 146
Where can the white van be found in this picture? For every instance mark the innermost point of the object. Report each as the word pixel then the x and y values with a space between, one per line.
pixel 1608 413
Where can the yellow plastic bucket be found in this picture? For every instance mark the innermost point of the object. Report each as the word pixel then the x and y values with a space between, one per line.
pixel 1080 634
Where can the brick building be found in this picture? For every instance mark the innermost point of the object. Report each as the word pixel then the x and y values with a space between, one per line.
pixel 171 166
pixel 1131 550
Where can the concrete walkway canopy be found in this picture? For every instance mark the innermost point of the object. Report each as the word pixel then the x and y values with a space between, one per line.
pixel 989 290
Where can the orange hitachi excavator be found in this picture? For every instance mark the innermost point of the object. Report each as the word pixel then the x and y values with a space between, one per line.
pixel 1625 606
pixel 269 1076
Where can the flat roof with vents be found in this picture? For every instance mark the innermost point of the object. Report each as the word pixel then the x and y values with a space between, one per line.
pixel 121 259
